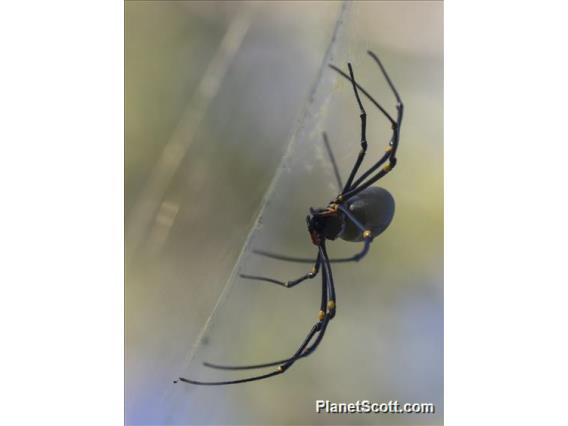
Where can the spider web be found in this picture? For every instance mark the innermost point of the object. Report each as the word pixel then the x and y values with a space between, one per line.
pixel 300 143
pixel 295 168
pixel 304 164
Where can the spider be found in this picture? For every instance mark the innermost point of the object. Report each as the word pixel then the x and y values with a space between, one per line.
pixel 359 213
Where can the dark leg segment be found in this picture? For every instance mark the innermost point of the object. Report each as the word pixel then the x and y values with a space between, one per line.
pixel 287 284
pixel 375 166
pixel 283 257
pixel 331 307
pixel 332 159
pixel 363 116
pixel 307 260
pixel 367 94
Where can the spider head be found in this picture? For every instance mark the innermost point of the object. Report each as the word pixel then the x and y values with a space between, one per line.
pixel 324 224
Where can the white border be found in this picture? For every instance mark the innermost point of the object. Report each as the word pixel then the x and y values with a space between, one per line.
pixel 505 213
pixel 62 212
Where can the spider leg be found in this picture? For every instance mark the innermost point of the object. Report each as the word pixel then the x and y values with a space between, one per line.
pixel 374 167
pixel 245 367
pixel 319 326
pixel 229 382
pixel 363 116
pixel 285 258
pixel 288 284
pixel 367 237
pixel 282 256
pixel 386 75
pixel 366 93
pixel 386 169
pixel 304 354
pixel 331 307
pixel 327 312
pixel 332 159
pixel 356 257
pixel 390 154
pixel 351 193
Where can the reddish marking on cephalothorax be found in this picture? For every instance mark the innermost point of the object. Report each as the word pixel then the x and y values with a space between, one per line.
pixel 316 240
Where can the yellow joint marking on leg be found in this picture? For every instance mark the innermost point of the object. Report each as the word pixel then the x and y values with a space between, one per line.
pixel 366 234
pixel 321 315
pixel 389 149
pixel 387 168
pixel 331 305
pixel 340 198
pixel 314 270
pixel 280 369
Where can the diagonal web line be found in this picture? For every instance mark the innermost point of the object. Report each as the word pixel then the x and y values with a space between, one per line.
pixel 297 134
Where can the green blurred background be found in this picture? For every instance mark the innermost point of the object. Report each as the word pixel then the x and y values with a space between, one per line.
pixel 213 93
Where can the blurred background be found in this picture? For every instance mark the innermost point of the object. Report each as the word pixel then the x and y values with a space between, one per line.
pixel 217 94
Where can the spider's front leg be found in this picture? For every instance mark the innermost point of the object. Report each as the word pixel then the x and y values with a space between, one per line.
pixel 363 151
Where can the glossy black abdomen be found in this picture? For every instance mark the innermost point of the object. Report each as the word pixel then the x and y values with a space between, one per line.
pixel 374 208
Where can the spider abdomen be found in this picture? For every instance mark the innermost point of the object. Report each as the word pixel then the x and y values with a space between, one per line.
pixel 373 208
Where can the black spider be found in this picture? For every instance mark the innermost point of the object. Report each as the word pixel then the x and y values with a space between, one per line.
pixel 359 213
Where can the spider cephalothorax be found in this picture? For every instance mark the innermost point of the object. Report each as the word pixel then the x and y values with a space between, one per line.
pixel 325 223
pixel 359 213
